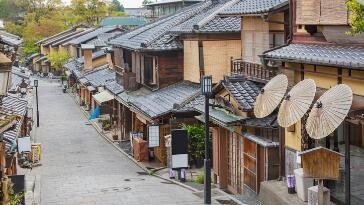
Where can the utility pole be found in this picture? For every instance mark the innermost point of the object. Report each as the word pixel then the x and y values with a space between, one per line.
pixel 36 95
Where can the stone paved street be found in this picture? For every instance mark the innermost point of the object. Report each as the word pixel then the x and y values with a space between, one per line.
pixel 80 167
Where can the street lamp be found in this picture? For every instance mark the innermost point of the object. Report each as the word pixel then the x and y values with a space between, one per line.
pixel 36 94
pixel 5 72
pixel 206 90
pixel 23 87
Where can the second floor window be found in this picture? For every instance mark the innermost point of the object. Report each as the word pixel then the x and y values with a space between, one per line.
pixel 276 39
pixel 150 73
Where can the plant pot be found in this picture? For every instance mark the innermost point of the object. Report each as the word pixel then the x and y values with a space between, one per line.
pixel 115 137
pixel 291 184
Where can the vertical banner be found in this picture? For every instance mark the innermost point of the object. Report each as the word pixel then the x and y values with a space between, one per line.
pixel 153 136
pixel 179 146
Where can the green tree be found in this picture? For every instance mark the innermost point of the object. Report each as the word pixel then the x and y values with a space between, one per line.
pixel 356 18
pixel 145 2
pixel 117 6
pixel 58 59
pixel 90 11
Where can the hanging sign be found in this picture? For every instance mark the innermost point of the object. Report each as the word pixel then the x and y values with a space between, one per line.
pixel 153 136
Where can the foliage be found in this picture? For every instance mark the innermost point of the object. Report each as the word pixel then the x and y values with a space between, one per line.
pixel 58 59
pixel 145 2
pixel 106 124
pixel 196 140
pixel 30 47
pixel 199 178
pixel 14 198
pixel 117 6
pixel 89 11
pixel 356 19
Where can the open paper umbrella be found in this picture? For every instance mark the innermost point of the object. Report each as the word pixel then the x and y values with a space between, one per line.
pixel 329 111
pixel 270 96
pixel 296 103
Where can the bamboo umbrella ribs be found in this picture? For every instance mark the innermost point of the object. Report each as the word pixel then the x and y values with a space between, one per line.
pixel 329 111
pixel 270 96
pixel 296 103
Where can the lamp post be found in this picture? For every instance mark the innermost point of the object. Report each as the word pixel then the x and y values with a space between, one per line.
pixel 206 90
pixel 36 94
pixel 5 72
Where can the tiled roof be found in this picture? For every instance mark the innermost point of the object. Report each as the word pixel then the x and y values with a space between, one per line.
pixel 65 41
pixel 243 91
pixel 123 21
pixel 217 115
pixel 330 55
pixel 171 1
pixel 15 104
pixel 92 35
pixel 17 77
pixel 214 23
pixel 246 7
pixel 146 37
pixel 11 136
pixel 10 39
pixel 269 121
pixel 102 40
pixel 61 37
pixel 100 76
pixel 161 102
pixel 114 87
pixel 261 140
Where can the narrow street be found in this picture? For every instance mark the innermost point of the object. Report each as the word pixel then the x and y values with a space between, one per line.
pixel 80 167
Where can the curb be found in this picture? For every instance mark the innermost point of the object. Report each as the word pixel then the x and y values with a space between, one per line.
pixel 107 139
pixel 143 167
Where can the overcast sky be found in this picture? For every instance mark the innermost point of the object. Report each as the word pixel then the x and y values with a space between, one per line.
pixel 126 3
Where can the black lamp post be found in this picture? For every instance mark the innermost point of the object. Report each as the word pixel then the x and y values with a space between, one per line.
pixel 206 90
pixel 36 94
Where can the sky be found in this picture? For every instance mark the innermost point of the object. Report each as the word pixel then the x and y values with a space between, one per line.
pixel 126 3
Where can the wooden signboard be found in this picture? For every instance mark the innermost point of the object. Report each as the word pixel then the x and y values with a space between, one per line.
pixel 321 163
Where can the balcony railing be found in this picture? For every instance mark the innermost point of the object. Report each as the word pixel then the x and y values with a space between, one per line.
pixel 252 71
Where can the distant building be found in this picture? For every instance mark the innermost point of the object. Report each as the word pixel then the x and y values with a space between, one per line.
pixel 164 7
pixel 126 21
pixel 136 11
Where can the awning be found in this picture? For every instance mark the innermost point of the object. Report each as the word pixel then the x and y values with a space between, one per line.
pixel 103 96
pixel 91 88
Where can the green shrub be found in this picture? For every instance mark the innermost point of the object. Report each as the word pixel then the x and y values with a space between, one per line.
pixel 196 141
pixel 199 178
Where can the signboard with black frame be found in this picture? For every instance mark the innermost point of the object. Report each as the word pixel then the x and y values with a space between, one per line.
pixel 179 146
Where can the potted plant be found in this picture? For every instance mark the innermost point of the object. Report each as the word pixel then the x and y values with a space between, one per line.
pixel 196 144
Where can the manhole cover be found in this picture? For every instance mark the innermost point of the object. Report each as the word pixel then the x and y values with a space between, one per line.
pixel 142 173
pixel 115 189
pixel 133 179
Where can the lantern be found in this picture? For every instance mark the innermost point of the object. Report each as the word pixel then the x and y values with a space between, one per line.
pixel 206 85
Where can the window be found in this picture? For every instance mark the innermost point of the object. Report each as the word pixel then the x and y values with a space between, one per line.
pixel 276 39
pixel 150 70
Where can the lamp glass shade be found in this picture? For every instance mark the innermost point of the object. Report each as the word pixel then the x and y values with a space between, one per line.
pixel 36 83
pixel 4 82
pixel 23 90
pixel 206 85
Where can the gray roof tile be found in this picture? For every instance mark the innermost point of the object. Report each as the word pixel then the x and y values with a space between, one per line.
pixel 100 76
pixel 91 35
pixel 331 55
pixel 161 102
pixel 10 39
pixel 146 37
pixel 246 7
pixel 243 91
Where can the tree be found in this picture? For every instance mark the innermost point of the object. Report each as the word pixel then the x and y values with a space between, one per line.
pixel 58 59
pixel 146 2
pixel 356 18
pixel 90 11
pixel 117 6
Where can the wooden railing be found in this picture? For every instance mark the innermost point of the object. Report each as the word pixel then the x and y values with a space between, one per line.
pixel 252 71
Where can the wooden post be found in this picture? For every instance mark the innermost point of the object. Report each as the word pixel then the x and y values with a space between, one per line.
pixel 320 192
pixel 4 184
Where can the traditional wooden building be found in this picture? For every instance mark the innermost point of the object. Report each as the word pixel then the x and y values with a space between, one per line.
pixel 321 50
pixel 165 7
